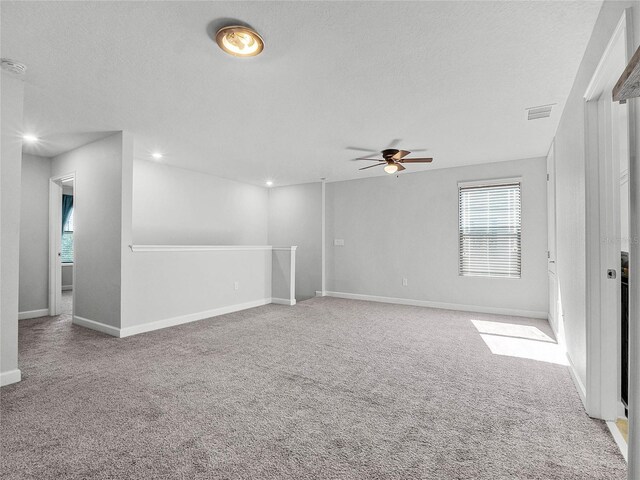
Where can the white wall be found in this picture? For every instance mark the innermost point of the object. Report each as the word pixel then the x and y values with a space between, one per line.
pixel 407 227
pixel 295 218
pixel 570 181
pixel 98 226
pixel 283 275
pixel 173 206
pixel 12 94
pixel 34 234
pixel 171 287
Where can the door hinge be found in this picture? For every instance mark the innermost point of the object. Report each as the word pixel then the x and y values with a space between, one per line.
pixel 547 177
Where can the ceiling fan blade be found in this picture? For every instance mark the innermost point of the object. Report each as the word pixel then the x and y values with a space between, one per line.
pixel 370 166
pixel 416 160
pixel 400 167
pixel 400 154
pixel 359 149
pixel 371 159
pixel 394 142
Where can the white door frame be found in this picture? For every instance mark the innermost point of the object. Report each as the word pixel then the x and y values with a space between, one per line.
pixel 55 242
pixel 602 186
pixel 555 314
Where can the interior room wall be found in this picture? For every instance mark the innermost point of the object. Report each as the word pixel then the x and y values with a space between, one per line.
pixel 98 216
pixel 295 218
pixel 570 181
pixel 406 226
pixel 174 206
pixel 34 235
pixel 11 116
pixel 67 277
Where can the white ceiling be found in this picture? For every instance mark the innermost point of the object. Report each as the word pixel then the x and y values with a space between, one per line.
pixel 452 77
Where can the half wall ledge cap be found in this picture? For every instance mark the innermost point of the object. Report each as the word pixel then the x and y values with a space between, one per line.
pixel 196 248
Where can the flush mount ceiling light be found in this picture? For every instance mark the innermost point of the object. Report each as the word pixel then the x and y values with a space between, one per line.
pixel 269 183
pixel 28 137
pixel 157 155
pixel 239 41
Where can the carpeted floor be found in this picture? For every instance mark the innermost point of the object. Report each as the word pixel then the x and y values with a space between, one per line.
pixel 66 306
pixel 327 389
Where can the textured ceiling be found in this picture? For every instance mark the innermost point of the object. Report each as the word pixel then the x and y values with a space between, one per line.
pixel 452 77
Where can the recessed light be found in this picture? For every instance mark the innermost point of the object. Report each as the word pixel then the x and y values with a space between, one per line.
pixel 156 155
pixel 269 183
pixel 29 137
pixel 239 41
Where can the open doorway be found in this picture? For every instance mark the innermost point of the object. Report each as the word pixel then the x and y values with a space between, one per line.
pixel 61 245
pixel 608 145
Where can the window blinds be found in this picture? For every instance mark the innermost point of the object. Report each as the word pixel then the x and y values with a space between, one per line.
pixel 490 230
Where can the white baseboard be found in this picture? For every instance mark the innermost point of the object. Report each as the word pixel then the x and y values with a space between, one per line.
pixel 582 391
pixel 67 287
pixel 43 312
pixel 283 301
pixel 617 436
pixel 445 306
pixel 320 293
pixel 93 325
pixel 12 376
pixel 192 317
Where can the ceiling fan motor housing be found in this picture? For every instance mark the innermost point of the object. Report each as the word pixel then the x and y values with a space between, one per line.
pixel 388 153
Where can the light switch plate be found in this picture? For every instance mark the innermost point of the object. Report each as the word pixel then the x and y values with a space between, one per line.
pixel 338 242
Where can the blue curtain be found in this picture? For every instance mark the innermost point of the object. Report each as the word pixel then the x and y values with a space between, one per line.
pixel 67 205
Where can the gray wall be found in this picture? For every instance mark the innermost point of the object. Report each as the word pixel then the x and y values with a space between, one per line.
pixel 98 228
pixel 34 233
pixel 173 206
pixel 12 93
pixel 67 276
pixel 570 180
pixel 407 227
pixel 295 218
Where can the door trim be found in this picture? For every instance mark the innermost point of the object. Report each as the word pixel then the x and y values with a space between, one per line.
pixel 55 242
pixel 602 324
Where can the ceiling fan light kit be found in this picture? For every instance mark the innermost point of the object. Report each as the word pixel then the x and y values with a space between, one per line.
pixel 392 159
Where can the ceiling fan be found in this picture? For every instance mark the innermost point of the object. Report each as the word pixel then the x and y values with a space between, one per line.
pixel 393 160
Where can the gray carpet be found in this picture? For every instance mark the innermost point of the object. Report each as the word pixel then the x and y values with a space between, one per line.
pixel 66 304
pixel 327 389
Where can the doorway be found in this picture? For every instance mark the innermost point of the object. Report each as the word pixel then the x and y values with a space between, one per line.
pixel 608 145
pixel 62 245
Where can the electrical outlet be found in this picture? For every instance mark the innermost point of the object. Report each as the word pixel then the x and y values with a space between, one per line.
pixel 405 282
pixel 338 242
pixel 236 285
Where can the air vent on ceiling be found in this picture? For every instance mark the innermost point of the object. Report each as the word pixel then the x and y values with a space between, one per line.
pixel 542 111
pixel 13 67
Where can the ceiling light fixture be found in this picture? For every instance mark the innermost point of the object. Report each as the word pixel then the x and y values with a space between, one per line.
pixel 391 168
pixel 29 137
pixel 156 155
pixel 269 183
pixel 239 41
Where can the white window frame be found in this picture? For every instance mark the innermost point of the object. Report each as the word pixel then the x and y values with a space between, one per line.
pixel 490 183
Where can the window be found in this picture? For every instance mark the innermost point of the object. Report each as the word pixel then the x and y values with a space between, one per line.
pixel 490 230
pixel 67 239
